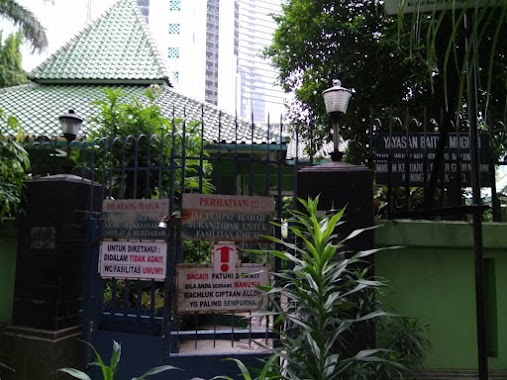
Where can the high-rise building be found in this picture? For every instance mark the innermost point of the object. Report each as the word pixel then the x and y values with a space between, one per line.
pixel 213 50
pixel 258 95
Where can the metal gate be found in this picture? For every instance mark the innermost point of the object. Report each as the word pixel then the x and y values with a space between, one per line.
pixel 141 315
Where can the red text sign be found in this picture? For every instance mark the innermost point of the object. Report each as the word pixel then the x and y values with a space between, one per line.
pixel 200 289
pixel 133 260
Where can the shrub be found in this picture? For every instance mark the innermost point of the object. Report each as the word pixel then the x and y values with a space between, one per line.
pixel 139 153
pixel 108 371
pixel 323 298
pixel 14 165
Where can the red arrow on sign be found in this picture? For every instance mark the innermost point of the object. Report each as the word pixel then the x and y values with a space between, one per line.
pixel 224 257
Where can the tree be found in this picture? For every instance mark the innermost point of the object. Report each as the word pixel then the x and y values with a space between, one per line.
pixel 462 43
pixel 325 302
pixel 139 153
pixel 14 166
pixel 445 42
pixel 319 40
pixel 21 17
pixel 11 72
pixel 411 61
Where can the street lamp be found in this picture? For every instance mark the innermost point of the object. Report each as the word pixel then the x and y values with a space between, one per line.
pixel 336 100
pixel 70 124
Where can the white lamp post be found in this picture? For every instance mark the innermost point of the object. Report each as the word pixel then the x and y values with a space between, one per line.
pixel 70 124
pixel 336 100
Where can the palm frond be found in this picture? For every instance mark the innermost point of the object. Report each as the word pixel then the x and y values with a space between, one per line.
pixel 32 29
pixel 457 33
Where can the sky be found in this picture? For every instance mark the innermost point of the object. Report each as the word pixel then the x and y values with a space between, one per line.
pixel 62 19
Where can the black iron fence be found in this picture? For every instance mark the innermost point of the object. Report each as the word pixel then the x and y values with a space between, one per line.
pixel 180 159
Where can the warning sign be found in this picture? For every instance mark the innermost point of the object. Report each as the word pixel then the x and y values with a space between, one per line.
pixel 200 289
pixel 226 217
pixel 134 219
pixel 133 260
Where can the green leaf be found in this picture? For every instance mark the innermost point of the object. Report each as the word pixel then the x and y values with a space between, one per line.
pixel 155 370
pixel 115 356
pixel 244 371
pixel 107 374
pixel 75 373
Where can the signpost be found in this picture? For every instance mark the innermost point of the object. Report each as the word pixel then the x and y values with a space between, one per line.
pixel 226 217
pixel 134 219
pixel 133 260
pixel 201 289
pixel 393 153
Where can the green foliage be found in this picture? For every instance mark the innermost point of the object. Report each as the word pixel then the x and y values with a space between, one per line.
pixel 399 199
pixel 270 370
pixel 408 343
pixel 326 299
pixel 317 41
pixel 135 300
pixel 134 133
pixel 197 251
pixel 14 166
pixel 11 71
pixel 441 38
pixel 414 61
pixel 287 206
pixel 408 338
pixel 108 371
pixel 28 24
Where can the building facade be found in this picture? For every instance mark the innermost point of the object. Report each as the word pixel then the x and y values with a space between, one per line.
pixel 213 51
pixel 258 94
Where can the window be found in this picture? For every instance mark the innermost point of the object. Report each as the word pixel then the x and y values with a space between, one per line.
pixel 176 76
pixel 173 52
pixel 174 28
pixel 175 5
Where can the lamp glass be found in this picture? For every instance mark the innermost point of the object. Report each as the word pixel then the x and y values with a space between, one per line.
pixel 70 123
pixel 337 98
pixel 70 126
pixel 337 101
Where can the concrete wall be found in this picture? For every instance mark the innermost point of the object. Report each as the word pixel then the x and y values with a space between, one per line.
pixel 8 249
pixel 432 277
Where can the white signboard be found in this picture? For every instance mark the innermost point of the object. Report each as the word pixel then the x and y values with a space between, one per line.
pixel 392 7
pixel 225 257
pixel 133 260
pixel 200 289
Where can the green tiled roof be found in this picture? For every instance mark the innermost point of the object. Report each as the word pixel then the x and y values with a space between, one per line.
pixel 116 48
pixel 117 51
pixel 37 107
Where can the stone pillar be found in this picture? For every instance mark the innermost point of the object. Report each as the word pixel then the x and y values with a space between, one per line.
pixel 48 295
pixel 339 185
